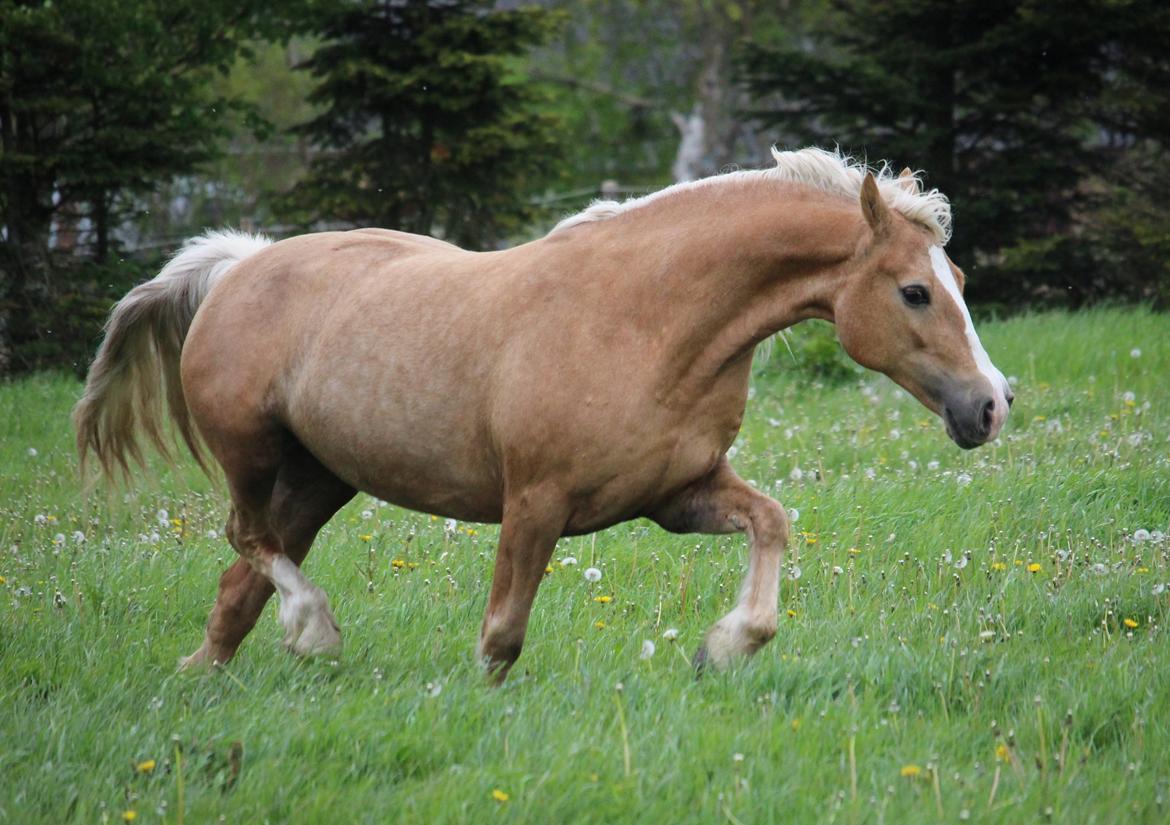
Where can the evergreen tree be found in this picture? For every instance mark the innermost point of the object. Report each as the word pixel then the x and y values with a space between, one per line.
pixel 425 123
pixel 100 100
pixel 1012 107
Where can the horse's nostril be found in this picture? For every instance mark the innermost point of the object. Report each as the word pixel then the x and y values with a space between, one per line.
pixel 987 415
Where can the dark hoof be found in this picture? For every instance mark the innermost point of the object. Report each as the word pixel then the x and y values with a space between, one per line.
pixel 699 663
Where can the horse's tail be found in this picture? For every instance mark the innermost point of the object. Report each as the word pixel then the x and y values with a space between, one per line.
pixel 137 364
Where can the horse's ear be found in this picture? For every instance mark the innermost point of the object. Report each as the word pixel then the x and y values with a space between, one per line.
pixel 908 181
pixel 873 206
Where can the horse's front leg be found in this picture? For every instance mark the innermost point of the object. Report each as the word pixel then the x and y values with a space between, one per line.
pixel 722 502
pixel 533 521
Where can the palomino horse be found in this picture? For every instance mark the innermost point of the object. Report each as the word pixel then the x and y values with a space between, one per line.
pixel 595 375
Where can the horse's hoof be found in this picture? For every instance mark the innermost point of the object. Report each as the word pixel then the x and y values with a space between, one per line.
pixel 318 636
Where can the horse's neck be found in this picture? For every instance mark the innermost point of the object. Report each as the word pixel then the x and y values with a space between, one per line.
pixel 717 271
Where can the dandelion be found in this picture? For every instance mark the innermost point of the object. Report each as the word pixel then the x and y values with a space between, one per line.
pixel 603 599
pixel 32 452
pixel 648 649
pixel 854 551
pixel 365 537
pixel 5 581
pixel 797 474
pixel 1135 353
pixel 40 518
pixel 548 569
pixel 737 757
pixel 499 795
pixel 600 625
pixel 1158 590
pixel 592 574
pixel 397 564
pixel 932 465
pixel 163 518
pixel 59 539
pixel 434 689
pixel 794 572
pixel 671 633
pixel 911 771
pixel 1002 754
pixel 1129 398
pixel 1130 623
pixel 450 525
pixel 367 515
pixel 129 816
pixel 793 515
pixel 568 561
pixel 791 613
pixel 146 766
pixel 1034 567
pixel 987 635
pixel 795 725
pixel 963 479
pixel 1140 535
pixel 78 537
pixel 837 570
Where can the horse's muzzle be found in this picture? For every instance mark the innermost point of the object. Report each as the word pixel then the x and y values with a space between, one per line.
pixel 974 416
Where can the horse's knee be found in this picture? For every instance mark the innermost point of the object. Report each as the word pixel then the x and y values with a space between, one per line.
pixel 770 522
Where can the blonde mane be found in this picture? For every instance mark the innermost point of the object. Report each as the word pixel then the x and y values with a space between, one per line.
pixel 829 172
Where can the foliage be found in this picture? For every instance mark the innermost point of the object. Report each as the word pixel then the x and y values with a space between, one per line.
pixel 918 637
pixel 809 349
pixel 100 101
pixel 425 124
pixel 1012 107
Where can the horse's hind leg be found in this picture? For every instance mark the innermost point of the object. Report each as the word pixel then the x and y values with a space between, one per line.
pixel 304 497
pixel 722 502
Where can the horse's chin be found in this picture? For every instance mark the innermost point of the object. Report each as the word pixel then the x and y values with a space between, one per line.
pixel 953 431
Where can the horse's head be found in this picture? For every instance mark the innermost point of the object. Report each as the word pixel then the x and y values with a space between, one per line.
pixel 902 313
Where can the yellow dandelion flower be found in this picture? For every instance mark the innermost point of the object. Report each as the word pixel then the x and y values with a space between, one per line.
pixel 911 771
pixel 129 816
pixel 366 537
pixel 791 614
pixel 1040 418
pixel 3 580
pixel 853 551
pixel 796 724
pixel 1019 563
pixel 410 565
pixel 1034 567
pixel 1130 623
pixel 998 565
pixel 145 767
pixel 603 599
pixel 599 625
pixel 499 795
pixel 548 568
pixel 1140 570
pixel 1002 754
pixel 397 564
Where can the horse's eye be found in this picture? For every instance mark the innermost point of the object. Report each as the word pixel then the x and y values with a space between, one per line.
pixel 915 296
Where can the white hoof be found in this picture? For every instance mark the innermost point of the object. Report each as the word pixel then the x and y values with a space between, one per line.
pixel 310 629
pixel 733 637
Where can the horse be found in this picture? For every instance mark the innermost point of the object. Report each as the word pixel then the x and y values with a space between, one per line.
pixel 595 375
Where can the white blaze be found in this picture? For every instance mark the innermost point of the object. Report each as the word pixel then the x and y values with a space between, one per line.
pixel 942 271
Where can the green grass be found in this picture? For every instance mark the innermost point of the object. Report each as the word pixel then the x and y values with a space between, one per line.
pixel 890 654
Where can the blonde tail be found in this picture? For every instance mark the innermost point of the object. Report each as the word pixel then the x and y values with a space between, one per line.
pixel 137 364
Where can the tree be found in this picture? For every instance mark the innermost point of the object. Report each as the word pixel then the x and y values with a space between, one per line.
pixel 101 100
pixel 425 123
pixel 1010 106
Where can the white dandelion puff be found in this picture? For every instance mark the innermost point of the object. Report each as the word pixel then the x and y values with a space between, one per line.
pixel 797 474
pixel 1135 353
pixel 568 561
pixel 647 649
pixel 793 515
pixel 1140 535
pixel 592 574
pixel 670 634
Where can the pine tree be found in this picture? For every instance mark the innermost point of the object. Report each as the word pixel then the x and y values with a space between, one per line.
pixel 1012 107
pixel 425 124
pixel 100 100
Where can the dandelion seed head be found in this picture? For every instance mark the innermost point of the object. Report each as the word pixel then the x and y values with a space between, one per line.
pixel 647 649
pixel 670 634
pixel 592 574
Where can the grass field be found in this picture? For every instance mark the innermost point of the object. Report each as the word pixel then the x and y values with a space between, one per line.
pixel 965 636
